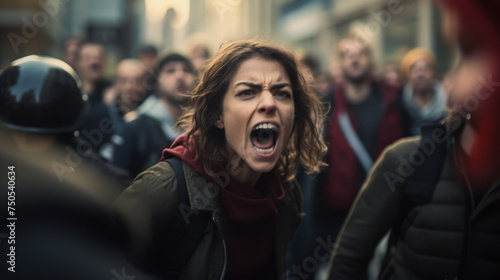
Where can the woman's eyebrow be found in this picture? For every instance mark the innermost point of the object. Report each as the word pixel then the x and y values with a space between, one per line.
pixel 252 85
pixel 259 86
pixel 281 85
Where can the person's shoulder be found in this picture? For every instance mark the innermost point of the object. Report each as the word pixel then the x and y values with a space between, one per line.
pixel 402 148
pixel 137 119
pixel 157 177
pixel 153 193
pixel 404 145
pixel 140 123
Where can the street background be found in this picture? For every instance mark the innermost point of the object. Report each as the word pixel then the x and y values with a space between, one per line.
pixel 314 26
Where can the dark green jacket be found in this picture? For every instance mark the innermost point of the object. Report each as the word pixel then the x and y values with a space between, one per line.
pixel 148 208
pixel 450 238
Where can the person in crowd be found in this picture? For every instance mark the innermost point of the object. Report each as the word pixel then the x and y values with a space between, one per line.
pixel 423 97
pixel 198 52
pixel 130 93
pixel 70 49
pixel 364 118
pixel 59 194
pixel 310 69
pixel 148 54
pixel 129 87
pixel 138 143
pixel 391 74
pixel 242 144
pixel 439 192
pixel 334 71
pixel 90 66
pixel 91 63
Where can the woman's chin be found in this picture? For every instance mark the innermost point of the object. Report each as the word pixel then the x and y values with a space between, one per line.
pixel 262 167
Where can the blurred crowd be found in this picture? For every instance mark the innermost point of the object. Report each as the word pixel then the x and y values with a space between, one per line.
pixel 96 146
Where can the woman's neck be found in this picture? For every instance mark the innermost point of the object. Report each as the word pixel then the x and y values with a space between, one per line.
pixel 242 172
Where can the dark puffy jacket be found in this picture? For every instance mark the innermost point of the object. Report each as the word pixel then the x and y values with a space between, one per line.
pixel 148 208
pixel 450 238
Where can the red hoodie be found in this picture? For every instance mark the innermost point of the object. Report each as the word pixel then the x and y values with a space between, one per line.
pixel 247 216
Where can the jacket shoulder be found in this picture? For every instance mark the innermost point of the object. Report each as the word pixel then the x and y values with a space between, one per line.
pixel 154 180
pixel 402 147
pixel 146 212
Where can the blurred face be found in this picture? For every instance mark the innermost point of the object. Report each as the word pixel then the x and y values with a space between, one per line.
pixel 471 78
pixel 71 52
pixel 129 83
pixel 175 80
pixel 335 71
pixel 199 58
pixel 355 61
pixel 148 59
pixel 257 116
pixel 465 80
pixel 391 76
pixel 421 75
pixel 91 62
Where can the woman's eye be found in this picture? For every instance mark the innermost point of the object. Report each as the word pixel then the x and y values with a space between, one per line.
pixel 247 92
pixel 284 94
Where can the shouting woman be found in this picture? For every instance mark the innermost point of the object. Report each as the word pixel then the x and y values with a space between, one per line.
pixel 252 121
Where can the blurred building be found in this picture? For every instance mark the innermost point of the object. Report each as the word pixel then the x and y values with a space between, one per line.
pixel 393 26
pixel 26 28
pixel 40 26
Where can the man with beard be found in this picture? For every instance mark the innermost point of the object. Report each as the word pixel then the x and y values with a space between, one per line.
pixel 90 65
pixel 138 144
pixel 363 119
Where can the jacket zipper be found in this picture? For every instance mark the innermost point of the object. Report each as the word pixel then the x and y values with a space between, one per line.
pixel 470 212
pixel 225 260
pixel 216 219
pixel 469 208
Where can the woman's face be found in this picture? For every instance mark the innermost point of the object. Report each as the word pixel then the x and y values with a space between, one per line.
pixel 257 117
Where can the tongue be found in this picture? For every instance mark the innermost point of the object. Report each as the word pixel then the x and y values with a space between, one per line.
pixel 263 140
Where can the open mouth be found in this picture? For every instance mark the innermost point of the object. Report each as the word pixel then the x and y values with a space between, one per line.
pixel 264 137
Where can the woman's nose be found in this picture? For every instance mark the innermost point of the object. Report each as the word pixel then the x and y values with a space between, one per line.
pixel 267 103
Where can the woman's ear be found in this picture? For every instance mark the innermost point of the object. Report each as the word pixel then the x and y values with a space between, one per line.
pixel 219 123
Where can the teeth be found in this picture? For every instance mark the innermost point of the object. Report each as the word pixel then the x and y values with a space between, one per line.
pixel 266 126
pixel 265 151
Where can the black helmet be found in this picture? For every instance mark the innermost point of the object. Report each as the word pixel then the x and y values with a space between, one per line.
pixel 42 95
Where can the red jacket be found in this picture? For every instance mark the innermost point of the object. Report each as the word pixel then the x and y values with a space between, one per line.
pixel 341 178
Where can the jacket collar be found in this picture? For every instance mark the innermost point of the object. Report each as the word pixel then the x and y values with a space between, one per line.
pixel 203 196
pixel 202 193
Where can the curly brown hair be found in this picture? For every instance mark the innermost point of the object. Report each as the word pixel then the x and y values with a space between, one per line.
pixel 305 145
